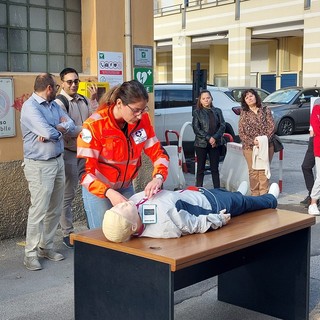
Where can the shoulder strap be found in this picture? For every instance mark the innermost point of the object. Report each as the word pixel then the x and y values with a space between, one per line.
pixel 84 98
pixel 64 100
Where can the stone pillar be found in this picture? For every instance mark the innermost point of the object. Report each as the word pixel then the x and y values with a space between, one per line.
pixel 239 57
pixel 311 47
pixel 218 65
pixel 181 59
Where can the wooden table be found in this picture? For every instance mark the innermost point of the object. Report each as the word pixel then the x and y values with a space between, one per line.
pixel 262 260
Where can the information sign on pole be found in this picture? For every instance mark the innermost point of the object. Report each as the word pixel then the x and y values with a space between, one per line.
pixel 142 56
pixel 143 66
pixel 145 76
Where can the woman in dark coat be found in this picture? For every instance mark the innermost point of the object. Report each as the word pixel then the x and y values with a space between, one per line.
pixel 209 126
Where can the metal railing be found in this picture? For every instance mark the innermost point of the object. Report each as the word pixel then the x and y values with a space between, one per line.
pixel 191 6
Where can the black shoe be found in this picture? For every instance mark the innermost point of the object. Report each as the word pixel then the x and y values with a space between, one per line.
pixel 306 202
pixel 66 242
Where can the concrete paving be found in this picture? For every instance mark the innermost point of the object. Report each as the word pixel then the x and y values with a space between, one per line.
pixel 48 294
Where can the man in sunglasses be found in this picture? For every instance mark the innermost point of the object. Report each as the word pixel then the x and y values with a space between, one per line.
pixel 79 108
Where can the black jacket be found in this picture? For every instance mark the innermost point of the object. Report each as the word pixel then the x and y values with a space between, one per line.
pixel 200 124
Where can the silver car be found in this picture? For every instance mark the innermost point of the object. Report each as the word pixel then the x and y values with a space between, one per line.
pixel 290 108
pixel 173 107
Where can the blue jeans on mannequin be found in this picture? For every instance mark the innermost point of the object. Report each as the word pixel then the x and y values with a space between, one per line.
pixel 95 207
pixel 235 203
pixel 214 157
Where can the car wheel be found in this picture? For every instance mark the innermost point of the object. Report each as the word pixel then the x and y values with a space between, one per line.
pixel 285 127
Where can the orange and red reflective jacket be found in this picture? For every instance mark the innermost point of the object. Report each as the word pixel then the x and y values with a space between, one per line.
pixel 113 158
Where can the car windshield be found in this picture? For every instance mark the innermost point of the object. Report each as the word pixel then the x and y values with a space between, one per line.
pixel 283 96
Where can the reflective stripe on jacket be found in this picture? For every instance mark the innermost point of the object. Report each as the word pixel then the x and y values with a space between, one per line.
pixel 113 158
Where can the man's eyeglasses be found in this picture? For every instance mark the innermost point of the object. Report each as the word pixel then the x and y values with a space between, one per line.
pixel 137 112
pixel 70 82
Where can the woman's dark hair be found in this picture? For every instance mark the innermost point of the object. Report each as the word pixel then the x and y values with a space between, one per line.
pixel 199 105
pixel 243 101
pixel 129 92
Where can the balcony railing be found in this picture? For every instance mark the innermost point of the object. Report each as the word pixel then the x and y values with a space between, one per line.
pixel 192 5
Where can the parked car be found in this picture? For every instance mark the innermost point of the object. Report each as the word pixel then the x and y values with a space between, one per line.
pixel 236 92
pixel 173 107
pixel 290 108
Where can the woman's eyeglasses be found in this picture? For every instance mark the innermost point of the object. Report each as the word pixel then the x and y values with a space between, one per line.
pixel 137 112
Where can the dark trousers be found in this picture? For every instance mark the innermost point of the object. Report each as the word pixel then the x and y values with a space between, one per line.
pixel 307 166
pixel 214 157
pixel 236 203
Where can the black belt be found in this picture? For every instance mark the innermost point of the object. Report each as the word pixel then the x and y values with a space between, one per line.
pixel 55 157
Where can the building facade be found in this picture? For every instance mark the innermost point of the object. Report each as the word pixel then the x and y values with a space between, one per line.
pixel 268 44
pixel 47 36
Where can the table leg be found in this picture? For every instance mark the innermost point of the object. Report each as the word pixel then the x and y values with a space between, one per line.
pixel 274 279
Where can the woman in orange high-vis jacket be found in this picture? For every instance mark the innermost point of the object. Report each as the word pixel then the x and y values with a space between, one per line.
pixel 111 142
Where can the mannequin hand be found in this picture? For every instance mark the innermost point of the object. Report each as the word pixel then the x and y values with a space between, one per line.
pixel 225 216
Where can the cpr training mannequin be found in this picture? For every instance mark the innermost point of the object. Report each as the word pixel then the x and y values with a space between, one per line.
pixel 181 212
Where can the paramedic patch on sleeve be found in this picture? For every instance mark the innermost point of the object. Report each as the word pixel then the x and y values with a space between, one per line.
pixel 139 136
pixel 86 135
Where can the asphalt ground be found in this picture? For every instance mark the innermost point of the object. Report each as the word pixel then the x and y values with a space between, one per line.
pixel 48 294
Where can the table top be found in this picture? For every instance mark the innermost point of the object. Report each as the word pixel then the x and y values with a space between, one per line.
pixel 241 232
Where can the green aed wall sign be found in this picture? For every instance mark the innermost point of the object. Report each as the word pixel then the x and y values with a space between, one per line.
pixel 144 76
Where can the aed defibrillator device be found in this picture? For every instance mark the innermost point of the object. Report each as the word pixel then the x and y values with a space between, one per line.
pixel 102 88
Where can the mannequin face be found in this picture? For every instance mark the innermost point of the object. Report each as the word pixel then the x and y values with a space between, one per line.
pixel 131 215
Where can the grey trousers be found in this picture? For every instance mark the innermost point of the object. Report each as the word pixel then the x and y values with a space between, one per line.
pixel 46 185
pixel 71 174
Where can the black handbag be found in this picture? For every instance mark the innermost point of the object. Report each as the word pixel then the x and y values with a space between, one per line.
pixel 277 144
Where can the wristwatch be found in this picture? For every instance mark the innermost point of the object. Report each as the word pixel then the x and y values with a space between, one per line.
pixel 159 176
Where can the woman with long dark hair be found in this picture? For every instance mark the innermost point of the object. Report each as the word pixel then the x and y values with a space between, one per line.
pixel 208 126
pixel 255 121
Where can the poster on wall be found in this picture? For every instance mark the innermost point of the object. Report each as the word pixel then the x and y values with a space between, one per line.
pixel 110 67
pixel 7 113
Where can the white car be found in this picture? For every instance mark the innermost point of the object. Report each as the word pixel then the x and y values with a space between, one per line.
pixel 174 105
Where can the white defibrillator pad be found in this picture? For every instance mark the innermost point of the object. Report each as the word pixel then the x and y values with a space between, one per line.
pixel 139 136
pixel 149 213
